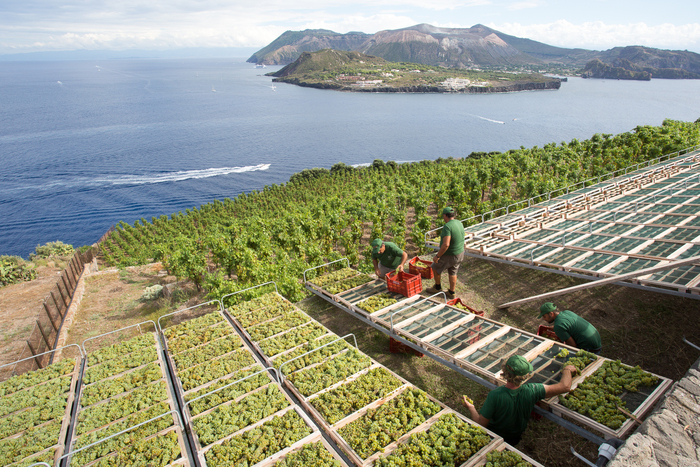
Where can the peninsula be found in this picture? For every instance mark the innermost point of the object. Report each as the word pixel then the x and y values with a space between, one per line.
pixel 357 72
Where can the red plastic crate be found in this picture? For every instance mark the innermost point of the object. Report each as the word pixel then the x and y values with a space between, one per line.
pixel 548 332
pixel 426 272
pixel 457 300
pixel 404 283
pixel 399 347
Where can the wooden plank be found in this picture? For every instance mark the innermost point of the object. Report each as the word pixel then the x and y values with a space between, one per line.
pixel 431 337
pixel 480 459
pixel 609 280
pixel 483 342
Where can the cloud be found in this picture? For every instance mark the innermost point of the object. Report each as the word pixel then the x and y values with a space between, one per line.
pixel 523 5
pixel 600 36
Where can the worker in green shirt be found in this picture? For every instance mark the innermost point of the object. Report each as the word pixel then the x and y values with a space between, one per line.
pixel 387 257
pixel 451 253
pixel 571 329
pixel 507 409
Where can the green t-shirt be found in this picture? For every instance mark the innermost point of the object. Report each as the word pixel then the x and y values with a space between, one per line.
pixel 569 324
pixel 508 410
pixel 391 257
pixel 454 229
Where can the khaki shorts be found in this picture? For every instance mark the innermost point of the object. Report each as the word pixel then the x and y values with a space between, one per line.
pixel 383 270
pixel 449 262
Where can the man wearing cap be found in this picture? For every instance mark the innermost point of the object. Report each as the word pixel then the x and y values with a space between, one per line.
pixel 387 257
pixel 571 329
pixel 451 252
pixel 507 409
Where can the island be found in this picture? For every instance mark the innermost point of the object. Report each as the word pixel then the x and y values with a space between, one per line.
pixel 356 72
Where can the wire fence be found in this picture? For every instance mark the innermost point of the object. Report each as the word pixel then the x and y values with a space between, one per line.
pixel 44 336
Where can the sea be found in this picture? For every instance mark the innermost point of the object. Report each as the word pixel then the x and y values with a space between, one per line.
pixel 86 144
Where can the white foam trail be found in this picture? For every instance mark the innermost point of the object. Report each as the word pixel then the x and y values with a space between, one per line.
pixel 490 120
pixel 181 175
pixel 59 83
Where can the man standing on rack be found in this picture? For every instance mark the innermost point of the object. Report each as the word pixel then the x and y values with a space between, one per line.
pixel 571 329
pixel 507 409
pixel 387 257
pixel 451 253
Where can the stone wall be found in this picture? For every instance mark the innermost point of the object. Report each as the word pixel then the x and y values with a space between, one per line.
pixel 670 436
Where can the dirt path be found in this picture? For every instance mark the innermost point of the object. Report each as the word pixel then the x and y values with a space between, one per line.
pixel 113 300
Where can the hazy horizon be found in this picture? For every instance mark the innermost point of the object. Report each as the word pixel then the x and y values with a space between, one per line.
pixel 51 25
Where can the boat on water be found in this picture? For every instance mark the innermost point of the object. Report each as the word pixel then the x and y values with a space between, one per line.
pixel 260 65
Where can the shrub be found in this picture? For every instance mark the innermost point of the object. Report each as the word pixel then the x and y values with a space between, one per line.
pixel 152 292
pixel 57 248
pixel 14 269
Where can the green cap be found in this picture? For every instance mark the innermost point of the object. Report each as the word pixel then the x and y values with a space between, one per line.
pixel 547 308
pixel 519 365
pixel 448 210
pixel 376 245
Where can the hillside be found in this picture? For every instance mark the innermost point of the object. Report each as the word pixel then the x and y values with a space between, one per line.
pixel 478 46
pixel 668 64
pixel 354 71
pixel 597 69
pixel 290 45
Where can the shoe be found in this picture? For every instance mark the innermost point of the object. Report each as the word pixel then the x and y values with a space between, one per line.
pixel 450 295
pixel 432 290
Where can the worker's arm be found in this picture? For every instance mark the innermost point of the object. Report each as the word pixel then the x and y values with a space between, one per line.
pixel 376 266
pixel 564 384
pixel 570 341
pixel 443 248
pixel 476 416
pixel 404 257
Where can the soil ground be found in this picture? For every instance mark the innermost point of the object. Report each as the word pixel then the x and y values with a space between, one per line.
pixel 637 327
pixel 21 304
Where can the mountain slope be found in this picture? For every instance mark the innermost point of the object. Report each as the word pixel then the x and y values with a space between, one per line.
pixel 289 46
pixel 449 47
pixel 479 46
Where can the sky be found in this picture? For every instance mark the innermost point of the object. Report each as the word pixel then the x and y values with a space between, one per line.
pixel 61 25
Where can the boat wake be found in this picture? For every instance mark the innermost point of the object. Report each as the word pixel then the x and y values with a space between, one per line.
pixel 489 119
pixel 181 175
pixel 72 184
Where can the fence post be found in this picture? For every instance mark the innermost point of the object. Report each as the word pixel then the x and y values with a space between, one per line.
pixel 31 349
pixel 58 308
pixel 68 286
pixel 48 313
pixel 41 331
pixel 66 301
pixel 71 281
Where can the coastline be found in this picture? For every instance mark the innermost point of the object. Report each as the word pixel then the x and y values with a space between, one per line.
pixel 553 84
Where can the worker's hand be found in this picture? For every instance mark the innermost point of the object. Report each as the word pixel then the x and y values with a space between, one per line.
pixel 468 403
pixel 376 271
pixel 436 259
pixel 571 368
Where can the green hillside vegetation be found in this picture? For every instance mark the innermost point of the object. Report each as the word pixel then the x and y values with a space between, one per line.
pixel 598 69
pixel 335 69
pixel 320 215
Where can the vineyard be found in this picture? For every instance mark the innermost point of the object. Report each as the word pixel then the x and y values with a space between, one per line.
pixel 320 215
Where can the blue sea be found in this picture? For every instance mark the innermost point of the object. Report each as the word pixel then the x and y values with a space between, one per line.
pixel 86 144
